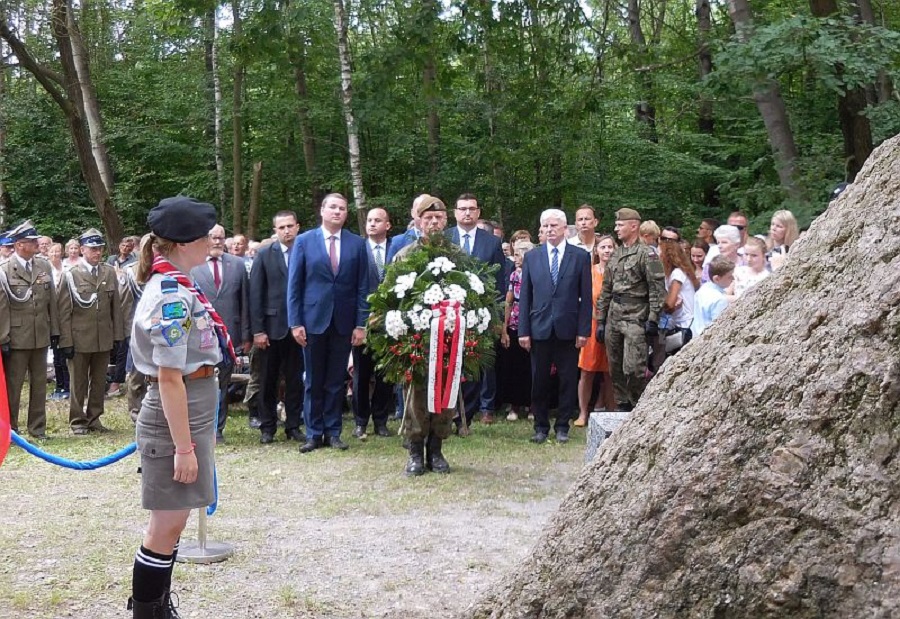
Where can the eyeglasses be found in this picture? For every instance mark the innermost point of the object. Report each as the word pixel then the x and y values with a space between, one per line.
pixel 668 239
pixel 216 238
pixel 741 228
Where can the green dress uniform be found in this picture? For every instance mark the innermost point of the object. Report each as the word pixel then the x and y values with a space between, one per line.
pixel 32 317
pixel 633 293
pixel 172 329
pixel 130 293
pixel 90 322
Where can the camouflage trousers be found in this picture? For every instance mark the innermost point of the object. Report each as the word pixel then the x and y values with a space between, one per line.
pixel 626 349
pixel 418 423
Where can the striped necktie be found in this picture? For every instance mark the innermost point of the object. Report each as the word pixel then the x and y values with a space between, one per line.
pixel 554 266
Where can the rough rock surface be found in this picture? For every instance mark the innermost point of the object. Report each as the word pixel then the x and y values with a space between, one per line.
pixel 759 475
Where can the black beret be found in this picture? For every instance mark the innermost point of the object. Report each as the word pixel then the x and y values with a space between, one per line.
pixel 181 219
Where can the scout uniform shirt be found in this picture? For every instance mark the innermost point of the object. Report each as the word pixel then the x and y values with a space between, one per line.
pixel 172 329
pixel 32 303
pixel 90 312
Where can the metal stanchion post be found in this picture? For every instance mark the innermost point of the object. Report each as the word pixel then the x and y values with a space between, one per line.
pixel 203 550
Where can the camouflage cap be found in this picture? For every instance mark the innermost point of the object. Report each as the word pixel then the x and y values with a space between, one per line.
pixel 627 214
pixel 429 203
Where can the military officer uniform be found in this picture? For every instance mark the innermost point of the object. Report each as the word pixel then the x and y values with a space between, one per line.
pixel 629 306
pixel 90 323
pixel 27 282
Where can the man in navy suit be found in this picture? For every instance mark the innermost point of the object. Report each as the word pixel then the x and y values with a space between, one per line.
pixel 271 336
pixel 411 234
pixel 481 244
pixel 378 405
pixel 223 279
pixel 327 309
pixel 554 321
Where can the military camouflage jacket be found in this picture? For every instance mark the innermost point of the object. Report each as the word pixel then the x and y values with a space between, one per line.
pixel 635 280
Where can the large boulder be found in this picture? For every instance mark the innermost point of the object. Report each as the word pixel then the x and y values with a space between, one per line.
pixel 758 476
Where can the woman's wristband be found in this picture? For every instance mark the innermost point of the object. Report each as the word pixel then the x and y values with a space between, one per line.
pixel 186 451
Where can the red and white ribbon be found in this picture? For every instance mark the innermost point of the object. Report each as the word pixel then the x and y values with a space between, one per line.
pixel 443 383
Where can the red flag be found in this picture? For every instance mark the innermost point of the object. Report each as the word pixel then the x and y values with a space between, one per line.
pixel 4 415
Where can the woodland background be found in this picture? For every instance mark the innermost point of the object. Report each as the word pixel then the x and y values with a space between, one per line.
pixel 683 109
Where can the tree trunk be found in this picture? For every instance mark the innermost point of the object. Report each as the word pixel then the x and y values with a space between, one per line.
pixel 776 498
pixel 90 105
pixel 705 122
pixel 884 88
pixel 429 86
pixel 255 200
pixel 66 93
pixel 767 96
pixel 214 88
pixel 237 198
pixel 645 110
pixel 5 203
pixel 307 136
pixel 359 195
pixel 851 106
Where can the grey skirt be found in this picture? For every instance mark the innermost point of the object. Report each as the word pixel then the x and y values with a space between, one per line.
pixel 154 441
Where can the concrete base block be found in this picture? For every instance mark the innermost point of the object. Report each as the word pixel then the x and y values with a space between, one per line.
pixel 600 426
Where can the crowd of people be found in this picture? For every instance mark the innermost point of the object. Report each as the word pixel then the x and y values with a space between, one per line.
pixel 588 316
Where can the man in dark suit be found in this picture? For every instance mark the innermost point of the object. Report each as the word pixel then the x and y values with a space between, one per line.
pixel 554 321
pixel 224 281
pixel 269 325
pixel 378 405
pixel 327 310
pixel 481 244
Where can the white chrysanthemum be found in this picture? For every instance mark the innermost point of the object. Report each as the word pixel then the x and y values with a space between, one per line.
pixel 439 265
pixel 475 283
pixel 425 317
pixel 455 292
pixel 472 319
pixel 433 295
pixel 394 325
pixel 485 315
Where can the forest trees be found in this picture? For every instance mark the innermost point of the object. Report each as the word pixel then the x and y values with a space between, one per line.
pixel 665 105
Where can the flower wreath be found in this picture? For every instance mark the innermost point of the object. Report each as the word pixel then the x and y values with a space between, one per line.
pixel 431 290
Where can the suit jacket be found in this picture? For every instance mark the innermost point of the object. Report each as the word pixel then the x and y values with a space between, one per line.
pixel 374 279
pixel 563 310
pixel 268 293
pixel 398 242
pixel 316 296
pixel 97 327
pixel 487 248
pixel 32 322
pixel 232 299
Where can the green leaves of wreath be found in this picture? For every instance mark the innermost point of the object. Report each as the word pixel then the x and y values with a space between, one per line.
pixel 401 348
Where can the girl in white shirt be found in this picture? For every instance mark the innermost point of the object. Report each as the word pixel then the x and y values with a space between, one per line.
pixel 681 284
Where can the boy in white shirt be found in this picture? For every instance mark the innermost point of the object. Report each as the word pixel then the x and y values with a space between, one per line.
pixel 711 300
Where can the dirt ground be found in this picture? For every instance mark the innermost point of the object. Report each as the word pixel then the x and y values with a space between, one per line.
pixel 329 534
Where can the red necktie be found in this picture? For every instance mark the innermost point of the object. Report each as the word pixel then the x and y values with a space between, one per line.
pixel 332 253
pixel 217 279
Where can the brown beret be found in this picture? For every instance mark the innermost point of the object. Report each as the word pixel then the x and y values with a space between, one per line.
pixel 429 203
pixel 627 214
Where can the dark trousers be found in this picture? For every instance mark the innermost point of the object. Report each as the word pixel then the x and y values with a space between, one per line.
pixel 225 370
pixel 118 357
pixel 61 370
pixel 283 358
pixel 381 401
pixel 544 354
pixel 326 356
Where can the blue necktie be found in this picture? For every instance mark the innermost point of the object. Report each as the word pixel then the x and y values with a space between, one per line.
pixel 554 266
pixel 466 247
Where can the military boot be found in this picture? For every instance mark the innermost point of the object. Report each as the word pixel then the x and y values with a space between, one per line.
pixel 435 460
pixel 163 608
pixel 415 466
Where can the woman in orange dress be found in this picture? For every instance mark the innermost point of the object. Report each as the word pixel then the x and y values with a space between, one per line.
pixel 592 360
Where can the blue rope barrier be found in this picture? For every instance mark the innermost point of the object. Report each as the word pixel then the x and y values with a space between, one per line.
pixel 89 465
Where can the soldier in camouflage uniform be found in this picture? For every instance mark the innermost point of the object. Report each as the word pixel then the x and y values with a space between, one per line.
pixel 628 309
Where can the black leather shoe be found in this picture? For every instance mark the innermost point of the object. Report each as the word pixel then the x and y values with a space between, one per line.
pixel 311 444
pixel 359 432
pixel 539 437
pixel 295 434
pixel 220 438
pixel 382 431
pixel 562 436
pixel 335 442
pixel 267 438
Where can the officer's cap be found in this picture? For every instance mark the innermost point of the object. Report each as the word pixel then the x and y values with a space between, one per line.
pixel 23 231
pixel 429 203
pixel 5 241
pixel 91 238
pixel 181 219
pixel 627 214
